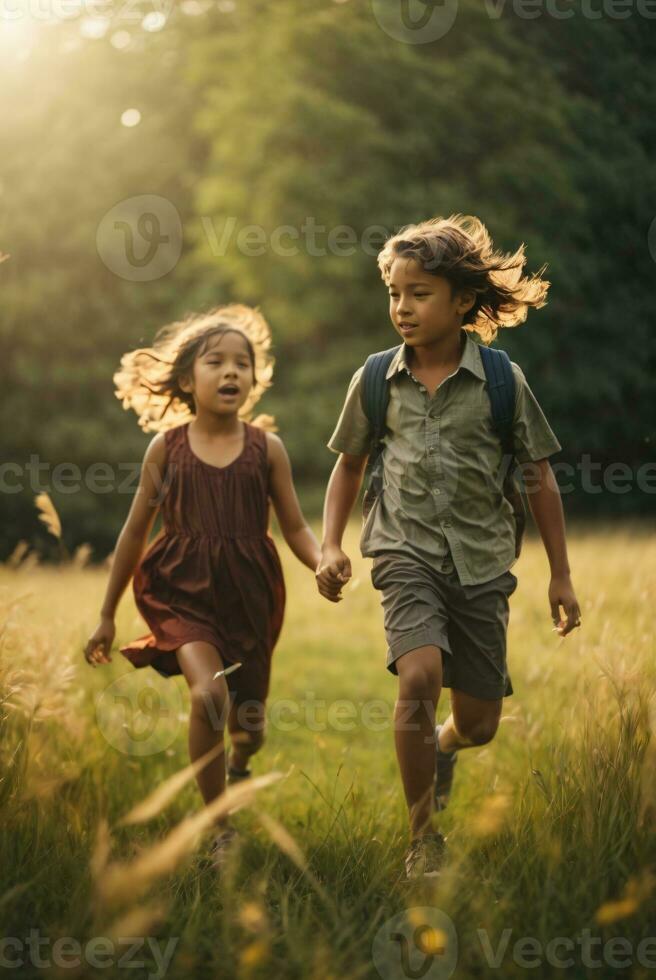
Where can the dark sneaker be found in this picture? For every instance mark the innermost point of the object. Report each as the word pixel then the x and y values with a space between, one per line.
pixel 444 766
pixel 223 846
pixel 237 775
pixel 425 856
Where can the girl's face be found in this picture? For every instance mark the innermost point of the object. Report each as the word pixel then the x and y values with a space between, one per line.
pixel 222 375
pixel 422 307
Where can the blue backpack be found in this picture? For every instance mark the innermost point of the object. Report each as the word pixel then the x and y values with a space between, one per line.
pixel 500 385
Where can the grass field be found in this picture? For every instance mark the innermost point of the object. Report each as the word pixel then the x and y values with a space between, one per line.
pixel 551 826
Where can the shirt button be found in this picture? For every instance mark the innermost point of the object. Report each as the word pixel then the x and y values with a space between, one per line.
pixel 436 490
pixel 432 449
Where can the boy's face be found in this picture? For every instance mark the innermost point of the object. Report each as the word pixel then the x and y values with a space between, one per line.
pixel 422 307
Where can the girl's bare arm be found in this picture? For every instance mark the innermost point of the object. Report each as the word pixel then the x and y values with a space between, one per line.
pixel 138 524
pixel 129 546
pixel 293 525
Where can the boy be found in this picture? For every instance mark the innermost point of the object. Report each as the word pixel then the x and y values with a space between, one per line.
pixel 441 532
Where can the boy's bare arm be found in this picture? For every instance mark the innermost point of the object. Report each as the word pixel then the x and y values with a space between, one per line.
pixel 341 494
pixel 547 509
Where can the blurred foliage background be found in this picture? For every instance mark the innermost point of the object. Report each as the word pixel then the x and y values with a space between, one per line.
pixel 306 117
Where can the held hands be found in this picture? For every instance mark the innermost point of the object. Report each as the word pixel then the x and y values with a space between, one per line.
pixel 561 593
pixel 97 650
pixel 333 571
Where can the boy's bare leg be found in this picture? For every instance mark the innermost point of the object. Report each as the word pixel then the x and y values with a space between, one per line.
pixel 420 683
pixel 473 721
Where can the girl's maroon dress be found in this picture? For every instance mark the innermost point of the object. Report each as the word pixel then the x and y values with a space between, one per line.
pixel 214 572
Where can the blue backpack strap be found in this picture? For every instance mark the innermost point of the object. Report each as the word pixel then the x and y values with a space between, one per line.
pixel 375 390
pixel 501 391
pixel 374 397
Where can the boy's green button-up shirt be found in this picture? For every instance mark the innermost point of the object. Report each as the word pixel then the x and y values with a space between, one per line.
pixel 442 499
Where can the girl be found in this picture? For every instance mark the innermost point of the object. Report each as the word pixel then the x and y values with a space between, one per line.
pixel 210 586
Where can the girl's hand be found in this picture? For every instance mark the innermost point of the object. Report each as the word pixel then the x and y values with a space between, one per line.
pixel 329 584
pixel 561 593
pixel 99 645
pixel 333 572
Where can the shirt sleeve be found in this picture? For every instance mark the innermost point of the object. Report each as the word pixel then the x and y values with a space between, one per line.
pixel 533 436
pixel 353 431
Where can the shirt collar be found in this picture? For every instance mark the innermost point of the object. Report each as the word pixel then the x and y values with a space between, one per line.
pixel 470 359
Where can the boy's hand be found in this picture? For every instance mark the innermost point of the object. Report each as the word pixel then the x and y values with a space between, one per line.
pixel 561 593
pixel 333 572
pixel 98 646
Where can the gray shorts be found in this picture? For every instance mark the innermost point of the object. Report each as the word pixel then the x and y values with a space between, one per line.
pixel 468 623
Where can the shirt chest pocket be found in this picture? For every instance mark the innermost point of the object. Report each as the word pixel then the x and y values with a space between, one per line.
pixel 471 449
pixel 470 422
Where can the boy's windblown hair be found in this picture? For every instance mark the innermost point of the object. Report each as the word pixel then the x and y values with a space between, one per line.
pixel 460 249
pixel 148 379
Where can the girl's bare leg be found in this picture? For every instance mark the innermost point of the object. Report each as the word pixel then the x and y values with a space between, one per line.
pixel 420 683
pixel 210 703
pixel 246 724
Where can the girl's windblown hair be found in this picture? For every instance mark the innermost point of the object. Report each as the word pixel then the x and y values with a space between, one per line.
pixel 148 379
pixel 460 249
